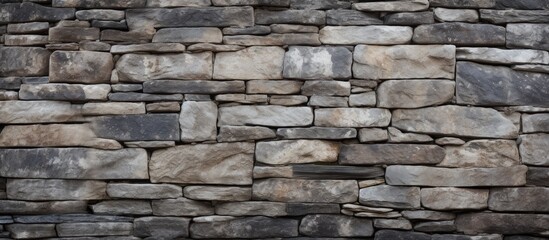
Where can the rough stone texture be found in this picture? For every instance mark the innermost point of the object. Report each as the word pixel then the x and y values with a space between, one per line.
pixel 192 87
pixel 198 121
pixel 30 231
pixel 335 226
pixel 405 61
pixel 137 127
pixel 460 34
pixel 161 227
pixel 143 67
pixel 390 196
pixel 346 17
pixel 352 117
pixel 316 133
pixel 188 35
pixel 250 63
pixel 218 193
pixel 414 93
pixel 90 67
pixel 251 227
pixel 297 190
pixel 371 154
pixel 482 153
pixel 456 15
pixel 532 149
pixel 404 235
pixel 517 38
pixel 392 6
pixel 242 133
pixel 317 62
pixel 50 207
pixel 454 198
pixel 40 189
pixel 296 151
pixel 222 163
pixel 309 17
pixel 467 122
pixel 365 35
pixel 485 85
pixel 276 116
pixel 67 92
pixel 529 199
pixel 29 12
pixel 502 56
pixel 270 209
pixel 455 177
pixel 535 123
pixel 24 61
pixel 181 207
pixel 94 229
pixel 143 191
pixel 503 223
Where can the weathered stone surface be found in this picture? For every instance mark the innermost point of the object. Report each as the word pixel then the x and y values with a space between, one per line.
pixel 213 218
pixel 161 227
pixel 137 127
pixel 143 191
pixel 100 14
pixel 308 171
pixel 188 35
pixel 401 224
pixel 213 193
pixel 222 163
pixel 77 163
pixel 54 135
pixel 193 86
pixel 198 121
pixel 150 144
pixel 397 136
pixel 453 33
pixel 371 154
pixel 502 56
pixel 404 61
pixel 273 87
pixel 148 47
pixel 288 100
pixel 512 16
pixel 455 121
pixel 532 149
pixel 112 108
pixel 31 27
pixel 293 28
pixel 456 15
pixel 98 4
pixel 277 116
pixel 296 151
pixel 535 123
pixel 275 39
pixel 72 34
pixel 390 196
pixel 24 61
pixel 347 17
pixel 392 6
pixel 308 17
pixel 367 99
pixel 178 3
pixel 298 190
pixel 463 3
pixel 163 107
pixel 455 177
pixel 30 231
pixel 532 68
pixel 189 17
pixel 538 176
pixel 80 67
pixel 402 235
pixel 55 189
pixel 317 63
pixel 454 198
pixel 250 227
pixel 478 84
pixel 352 117
pixel 316 133
pixel 124 36
pixel 372 135
pixel 335 226
pixel 482 153
pixel 299 209
pixel 244 133
pixel 414 93
pixel 74 217
pixel 138 97
pixel 51 207
pixel 467 237
pixel 94 229
pixel 30 12
pixel 527 199
pixel 326 88
pixel 410 18
pixel 181 207
pixel 123 207
pixel 524 35
pixel 365 35
pixel 266 3
pixel 530 4
pixel 144 67
pixel 67 92
pixel 502 223
pixel 428 215
pixel 250 63
pixel 25 40
pixel 438 226
pixel 254 208
pixel 254 30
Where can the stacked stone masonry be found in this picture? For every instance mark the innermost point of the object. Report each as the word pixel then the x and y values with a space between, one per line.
pixel 274 119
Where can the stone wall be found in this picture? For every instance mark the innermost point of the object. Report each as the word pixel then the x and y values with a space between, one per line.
pixel 274 119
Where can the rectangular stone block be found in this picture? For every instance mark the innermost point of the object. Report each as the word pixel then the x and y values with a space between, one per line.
pixel 278 116
pixel 335 226
pixel 64 92
pixel 454 198
pixel 532 149
pixel 525 199
pixel 527 35
pixel 299 190
pixel 502 223
pixel 353 35
pixel 198 121
pixel 145 67
pixel 19 12
pixel 98 4
pixel 51 207
pixel 36 111
pixel 94 229
pixel 24 61
pixel 453 33
pixel 377 154
pixel 122 207
pixel 188 35
pixel 352 117
pixel 318 63
pixel 390 197
pixel 181 207
pixel 55 189
pixel 296 151
pixel 143 190
pixel 250 227
pixel 146 127
pixel 250 63
pixel 80 67
pixel 31 231
pixel 193 86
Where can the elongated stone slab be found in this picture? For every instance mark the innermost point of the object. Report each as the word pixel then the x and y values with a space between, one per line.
pixel 347 17
pixel 31 231
pixel 144 67
pixel 486 85
pixel 74 163
pixel 352 117
pixel 404 61
pixel 365 35
pixel 414 93
pixel 455 177
pixel 454 198
pixel 526 199
pixel 32 12
pixel 67 92
pixel 335 226
pixel 309 171
pixel 222 163
pixel 94 229
pixel 98 4
pixel 188 35
pixel 278 116
pixel 296 151
pixel 513 15
pixel 317 63
pixel 148 47
pixel 36 111
pixel 55 189
pixel 392 6
pixel 527 35
pixel 482 153
pixel 375 154
pixel 50 207
pixel 215 193
pixel 80 67
pixel 181 207
pixel 307 17
pixel 193 86
pixel 502 223
pixel 161 227
pixel 390 196
pixel 316 133
pixel 250 63
pixel 251 208
pixel 24 61
pixel 74 217
pixel 298 190
pixel 452 33
pixel 502 56
pixel 463 3
pixel 455 121
pixel 143 191
pixel 250 227
pixel 145 127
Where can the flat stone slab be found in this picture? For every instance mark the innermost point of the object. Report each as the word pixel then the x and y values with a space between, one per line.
pixel 198 121
pixel 24 61
pixel 78 163
pixel 181 207
pixel 502 56
pixel 32 12
pixel 502 223
pixel 527 35
pixel 526 199
pixel 353 35
pixel 98 4
pixel 455 177
pixel 221 163
pixel 296 151
pixel 49 207
pixel 335 226
pixel 482 153
pixel 55 189
pixel 250 227
pixel 414 93
pixel 143 190
pixel 532 149
pixel 161 227
pixel 80 67
pixel 64 92
pixel 316 133
pixel 318 63
pixel 94 229
pixel 250 63
pixel 276 116
pixel 188 35
pixel 454 198
pixel 193 86
pixel 298 190
pixel 390 196
pixel 376 154
pixel 137 127
pixel 215 193
pixel 352 117
pixel 452 33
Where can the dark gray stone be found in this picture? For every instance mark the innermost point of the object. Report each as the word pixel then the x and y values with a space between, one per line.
pixel 335 226
pixel 80 66
pixel 72 34
pixel 306 17
pixel 149 127
pixel 319 4
pixel 486 85
pixel 502 223
pixel 122 207
pixel 10 83
pixel 460 34
pixel 193 86
pixel 77 163
pixel 435 226
pixel 243 133
pixel 24 61
pixel 400 235
pixel 62 218
pixel 522 237
pixel 316 133
pixel 32 27
pixel 266 3
pixel 94 229
pixel 161 227
pixel 308 171
pixel 55 189
pixel 51 207
pixel 252 227
pixel 409 18
pixel 348 17
pixel 66 92
pixel 32 12
pixel 318 63
pixel 428 215
pixel 9 219
pixel 99 3
pixel 326 88
pixel 118 25
pixel 528 35
pixel 512 16
pixel 254 30
pixel 538 176
pixel 181 207
pixel 466 237
pixel 371 154
pixel 463 3
pixel 143 97
pixel 298 209
pixel 100 14
pixel 523 4
pixel 31 231
pixel 390 196
pixel 526 199
pixel 535 123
